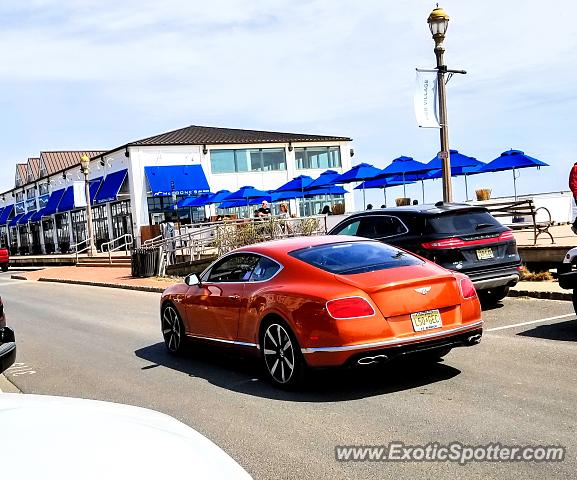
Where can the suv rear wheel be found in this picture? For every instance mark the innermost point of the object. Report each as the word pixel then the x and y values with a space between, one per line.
pixel 493 295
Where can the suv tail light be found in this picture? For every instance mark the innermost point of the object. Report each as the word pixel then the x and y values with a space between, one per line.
pixel 454 242
pixel 467 288
pixel 349 307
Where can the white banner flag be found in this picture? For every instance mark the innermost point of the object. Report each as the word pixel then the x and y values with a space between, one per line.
pixel 426 99
pixel 79 194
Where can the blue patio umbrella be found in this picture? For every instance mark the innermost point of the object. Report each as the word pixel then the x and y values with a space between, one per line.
pixel 512 160
pixel 218 196
pixel 199 201
pixel 403 166
pixel 460 165
pixel 329 190
pixel 359 173
pixel 296 184
pixel 288 195
pixel 246 193
pixel 324 179
pixel 383 183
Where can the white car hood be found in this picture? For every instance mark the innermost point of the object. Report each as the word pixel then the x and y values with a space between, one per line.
pixel 70 438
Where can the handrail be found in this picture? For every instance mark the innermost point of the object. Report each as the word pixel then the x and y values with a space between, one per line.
pixel 76 245
pixel 150 241
pixel 128 240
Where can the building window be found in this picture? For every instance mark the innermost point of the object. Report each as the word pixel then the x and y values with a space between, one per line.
pixel 79 226
pixel 247 160
pixel 20 196
pixel 43 189
pixel 317 157
pixel 121 218
pixel 100 225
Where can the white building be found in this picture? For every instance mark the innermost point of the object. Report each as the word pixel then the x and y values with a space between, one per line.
pixel 135 186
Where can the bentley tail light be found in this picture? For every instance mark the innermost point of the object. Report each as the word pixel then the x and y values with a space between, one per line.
pixel 467 288
pixel 349 307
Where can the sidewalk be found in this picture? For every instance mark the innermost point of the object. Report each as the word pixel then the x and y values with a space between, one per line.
pixel 98 277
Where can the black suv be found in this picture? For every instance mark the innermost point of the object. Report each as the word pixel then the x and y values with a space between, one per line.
pixel 459 237
pixel 7 342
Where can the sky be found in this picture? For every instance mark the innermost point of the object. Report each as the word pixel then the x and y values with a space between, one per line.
pixel 90 75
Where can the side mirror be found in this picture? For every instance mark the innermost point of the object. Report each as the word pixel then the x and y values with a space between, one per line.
pixel 192 279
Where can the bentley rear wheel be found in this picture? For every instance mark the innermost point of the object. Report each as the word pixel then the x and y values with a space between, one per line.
pixel 282 357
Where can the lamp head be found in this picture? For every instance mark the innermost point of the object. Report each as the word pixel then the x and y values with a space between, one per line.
pixel 84 162
pixel 438 22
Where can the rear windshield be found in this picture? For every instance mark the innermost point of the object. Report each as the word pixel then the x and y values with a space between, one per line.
pixel 462 223
pixel 348 258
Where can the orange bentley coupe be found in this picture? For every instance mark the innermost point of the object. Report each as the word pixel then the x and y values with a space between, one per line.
pixel 323 301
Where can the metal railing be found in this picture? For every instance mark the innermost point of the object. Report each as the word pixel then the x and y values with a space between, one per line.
pixel 125 241
pixel 217 238
pixel 77 250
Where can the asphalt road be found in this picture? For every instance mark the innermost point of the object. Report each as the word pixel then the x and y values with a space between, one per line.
pixel 519 386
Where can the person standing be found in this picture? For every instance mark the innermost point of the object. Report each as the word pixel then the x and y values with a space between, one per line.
pixel 264 210
pixel 573 188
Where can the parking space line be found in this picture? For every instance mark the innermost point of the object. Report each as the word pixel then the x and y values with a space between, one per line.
pixel 529 323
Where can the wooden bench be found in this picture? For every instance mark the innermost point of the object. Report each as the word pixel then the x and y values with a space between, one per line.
pixel 519 210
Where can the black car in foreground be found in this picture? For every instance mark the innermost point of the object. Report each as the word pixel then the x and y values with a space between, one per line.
pixel 459 237
pixel 7 342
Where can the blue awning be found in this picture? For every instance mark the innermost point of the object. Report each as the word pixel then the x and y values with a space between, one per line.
pixel 15 220
pixel 1 210
pixel 53 202
pixel 25 218
pixel 110 187
pixel 67 200
pixel 37 215
pixel 94 186
pixel 178 179
pixel 6 214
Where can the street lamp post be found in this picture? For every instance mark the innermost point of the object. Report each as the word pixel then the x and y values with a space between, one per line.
pixel 438 22
pixel 84 168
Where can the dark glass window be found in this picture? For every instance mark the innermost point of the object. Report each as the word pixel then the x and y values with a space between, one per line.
pixel 468 222
pixel 349 229
pixel 264 270
pixel 236 268
pixel 350 258
pixel 379 226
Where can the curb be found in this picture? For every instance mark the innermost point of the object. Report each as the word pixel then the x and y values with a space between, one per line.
pixel 106 285
pixel 6 386
pixel 18 277
pixel 542 295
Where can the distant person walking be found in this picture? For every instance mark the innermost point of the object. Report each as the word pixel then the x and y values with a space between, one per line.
pixel 370 206
pixel 573 188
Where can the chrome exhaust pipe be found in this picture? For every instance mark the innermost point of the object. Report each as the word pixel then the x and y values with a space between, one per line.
pixel 474 339
pixel 372 360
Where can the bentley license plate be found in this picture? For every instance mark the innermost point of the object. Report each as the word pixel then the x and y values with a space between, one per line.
pixel 426 320
pixel 485 254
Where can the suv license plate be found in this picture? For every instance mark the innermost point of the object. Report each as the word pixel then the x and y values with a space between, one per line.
pixel 485 254
pixel 426 320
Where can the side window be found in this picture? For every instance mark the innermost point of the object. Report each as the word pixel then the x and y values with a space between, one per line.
pixel 380 226
pixel 350 229
pixel 264 270
pixel 236 268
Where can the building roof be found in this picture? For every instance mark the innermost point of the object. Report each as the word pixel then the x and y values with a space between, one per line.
pixel 21 172
pixel 61 160
pixel 34 164
pixel 197 135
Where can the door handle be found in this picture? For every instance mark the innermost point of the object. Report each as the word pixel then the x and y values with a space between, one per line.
pixel 234 297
